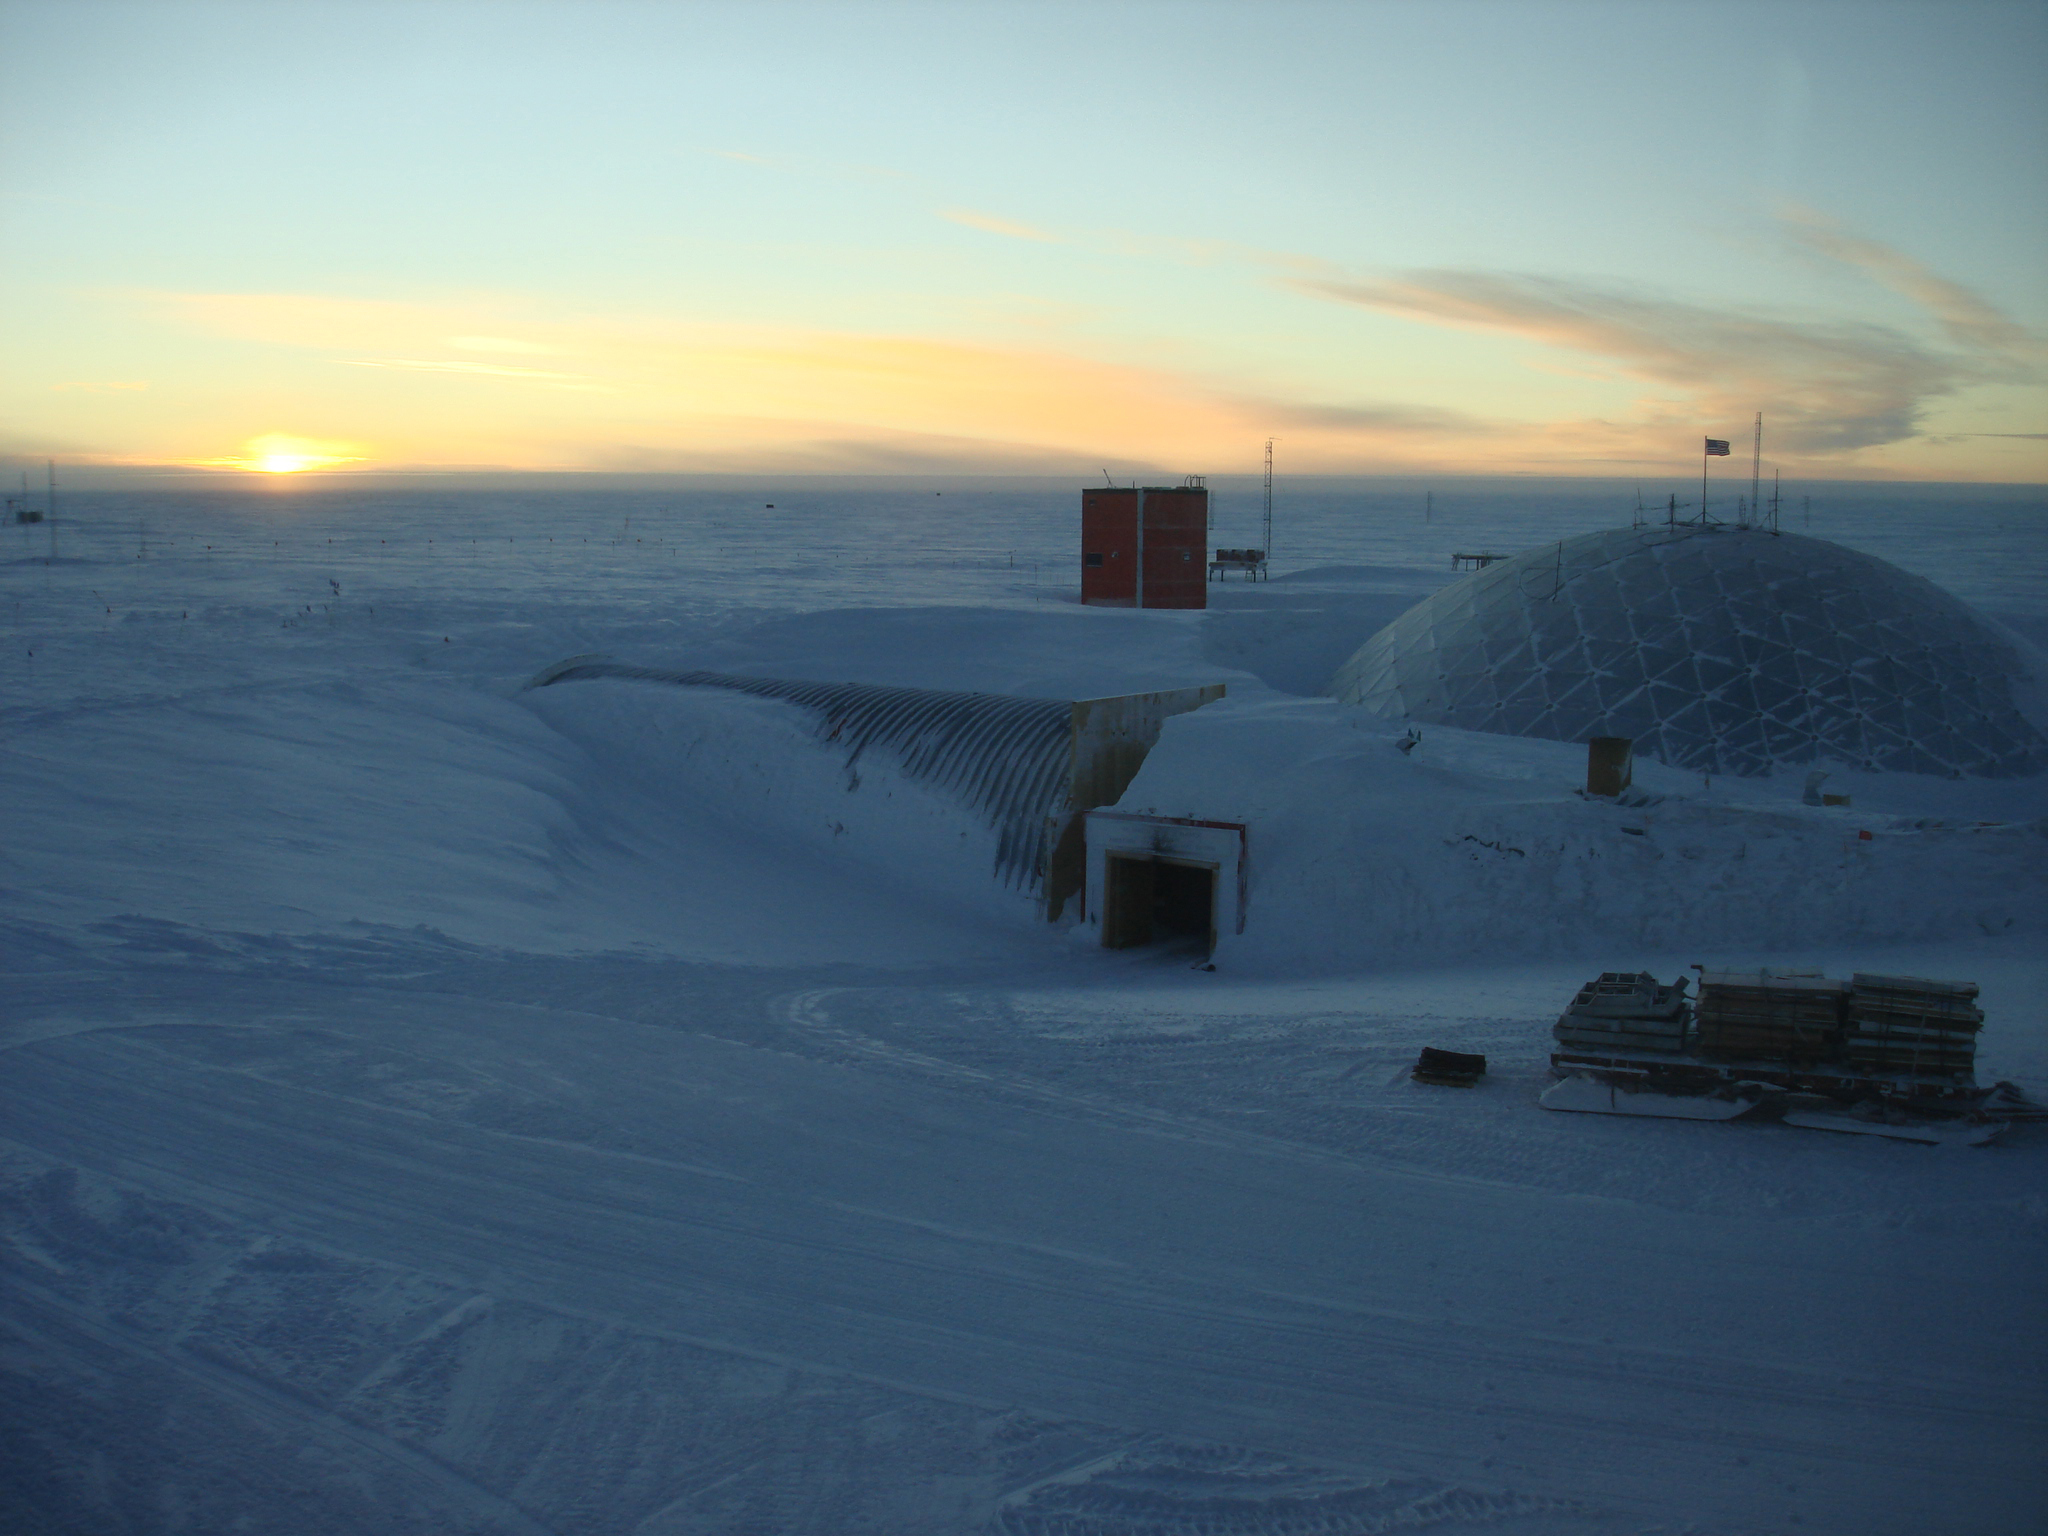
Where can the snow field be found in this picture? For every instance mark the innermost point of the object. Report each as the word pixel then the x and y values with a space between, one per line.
pixel 434 1107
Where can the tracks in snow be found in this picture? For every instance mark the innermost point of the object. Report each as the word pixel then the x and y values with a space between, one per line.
pixel 896 1238
pixel 45 1316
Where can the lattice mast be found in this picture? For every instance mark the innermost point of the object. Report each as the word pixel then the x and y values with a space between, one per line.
pixel 1756 467
pixel 1266 537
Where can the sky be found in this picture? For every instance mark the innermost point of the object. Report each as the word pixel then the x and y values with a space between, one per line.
pixel 1455 237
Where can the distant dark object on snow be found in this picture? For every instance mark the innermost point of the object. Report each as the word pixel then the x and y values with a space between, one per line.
pixel 1449 1069
pixel 1610 765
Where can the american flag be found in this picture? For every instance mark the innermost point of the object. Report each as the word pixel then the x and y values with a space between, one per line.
pixel 1717 447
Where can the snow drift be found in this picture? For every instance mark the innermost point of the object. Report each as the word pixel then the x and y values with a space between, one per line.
pixel 1367 848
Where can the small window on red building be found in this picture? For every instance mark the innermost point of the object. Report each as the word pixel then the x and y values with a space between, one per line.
pixel 1091 559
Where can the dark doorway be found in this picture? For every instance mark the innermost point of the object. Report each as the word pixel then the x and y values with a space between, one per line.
pixel 1184 901
pixel 1127 903
pixel 1150 898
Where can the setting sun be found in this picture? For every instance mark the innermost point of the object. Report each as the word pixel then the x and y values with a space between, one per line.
pixel 277 454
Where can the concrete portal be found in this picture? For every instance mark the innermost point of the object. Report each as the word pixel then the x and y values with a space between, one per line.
pixel 1110 739
pixel 1154 877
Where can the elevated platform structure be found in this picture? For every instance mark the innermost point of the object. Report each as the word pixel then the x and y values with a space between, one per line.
pixel 1248 563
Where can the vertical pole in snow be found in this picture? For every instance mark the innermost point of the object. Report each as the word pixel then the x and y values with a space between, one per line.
pixel 1267 536
pixel 1756 461
pixel 50 468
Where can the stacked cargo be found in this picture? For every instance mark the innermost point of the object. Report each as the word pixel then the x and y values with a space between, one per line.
pixel 1769 1016
pixel 1625 1011
pixel 1910 1025
pixel 1877 1055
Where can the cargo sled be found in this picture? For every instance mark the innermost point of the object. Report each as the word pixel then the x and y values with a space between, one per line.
pixel 1875 1055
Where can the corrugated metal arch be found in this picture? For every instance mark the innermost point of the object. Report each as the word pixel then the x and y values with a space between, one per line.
pixel 1007 758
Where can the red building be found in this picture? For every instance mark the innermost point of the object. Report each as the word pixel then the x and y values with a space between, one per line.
pixel 1145 546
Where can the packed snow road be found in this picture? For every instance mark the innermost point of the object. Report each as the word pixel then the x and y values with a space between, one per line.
pixel 1158 1273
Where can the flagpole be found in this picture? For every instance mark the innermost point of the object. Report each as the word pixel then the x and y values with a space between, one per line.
pixel 1703 481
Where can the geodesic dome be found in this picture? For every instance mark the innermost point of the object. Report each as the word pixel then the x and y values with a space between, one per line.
pixel 1723 650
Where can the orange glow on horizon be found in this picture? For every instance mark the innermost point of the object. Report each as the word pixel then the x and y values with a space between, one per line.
pixel 275 453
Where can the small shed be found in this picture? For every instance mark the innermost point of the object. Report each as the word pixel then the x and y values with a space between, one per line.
pixel 1145 546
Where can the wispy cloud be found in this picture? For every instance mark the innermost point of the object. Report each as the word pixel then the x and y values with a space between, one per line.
pixel 1969 320
pixel 330 322
pixel 487 370
pixel 1828 386
pixel 101 386
pixel 1188 251
pixel 505 344
pixel 1182 250
pixel 995 226
pixel 1381 421
pixel 725 394
pixel 678 393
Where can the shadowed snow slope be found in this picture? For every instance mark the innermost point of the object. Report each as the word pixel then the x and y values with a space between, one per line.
pixel 1294 631
pixel 751 773
pixel 1048 650
pixel 710 826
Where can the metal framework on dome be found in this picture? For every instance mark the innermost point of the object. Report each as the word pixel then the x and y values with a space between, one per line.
pixel 1720 649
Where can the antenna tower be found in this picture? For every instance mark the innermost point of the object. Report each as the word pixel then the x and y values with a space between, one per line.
pixel 1268 535
pixel 1756 463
